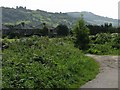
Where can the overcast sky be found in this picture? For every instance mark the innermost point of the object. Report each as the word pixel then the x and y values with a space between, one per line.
pixel 105 8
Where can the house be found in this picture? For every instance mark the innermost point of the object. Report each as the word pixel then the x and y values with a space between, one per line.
pixel 23 29
pixel 5 30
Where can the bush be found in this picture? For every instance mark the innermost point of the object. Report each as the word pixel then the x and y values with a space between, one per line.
pixel 44 31
pixel 103 38
pixel 104 44
pixel 62 30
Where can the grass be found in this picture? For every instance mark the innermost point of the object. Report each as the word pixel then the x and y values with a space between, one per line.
pixel 36 62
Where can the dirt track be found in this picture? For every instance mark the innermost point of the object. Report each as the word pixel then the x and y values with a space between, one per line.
pixel 108 76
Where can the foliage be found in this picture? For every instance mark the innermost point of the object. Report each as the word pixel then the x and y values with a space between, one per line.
pixel 44 31
pixel 82 35
pixel 102 38
pixel 106 28
pixel 45 63
pixel 105 44
pixel 62 30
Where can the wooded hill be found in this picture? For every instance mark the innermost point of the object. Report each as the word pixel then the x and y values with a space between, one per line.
pixel 37 17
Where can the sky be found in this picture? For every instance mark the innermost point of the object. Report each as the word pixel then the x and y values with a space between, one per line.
pixel 106 8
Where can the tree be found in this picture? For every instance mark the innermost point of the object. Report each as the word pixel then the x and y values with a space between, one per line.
pixel 81 33
pixel 23 24
pixel 62 30
pixel 44 30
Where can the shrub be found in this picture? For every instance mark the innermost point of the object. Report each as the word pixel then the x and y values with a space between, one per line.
pixel 105 44
pixel 62 30
pixel 103 38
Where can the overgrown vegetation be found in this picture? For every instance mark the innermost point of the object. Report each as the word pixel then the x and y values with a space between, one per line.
pixel 105 28
pixel 62 30
pixel 36 62
pixel 105 44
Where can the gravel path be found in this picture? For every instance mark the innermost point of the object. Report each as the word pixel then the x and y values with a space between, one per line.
pixel 108 76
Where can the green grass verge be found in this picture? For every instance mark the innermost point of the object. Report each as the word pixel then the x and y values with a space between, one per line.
pixel 46 63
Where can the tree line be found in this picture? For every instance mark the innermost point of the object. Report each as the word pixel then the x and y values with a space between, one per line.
pixel 106 28
pixel 60 30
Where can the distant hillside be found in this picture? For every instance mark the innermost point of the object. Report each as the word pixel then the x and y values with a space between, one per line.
pixel 37 17
pixel 93 19
pixel 11 15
